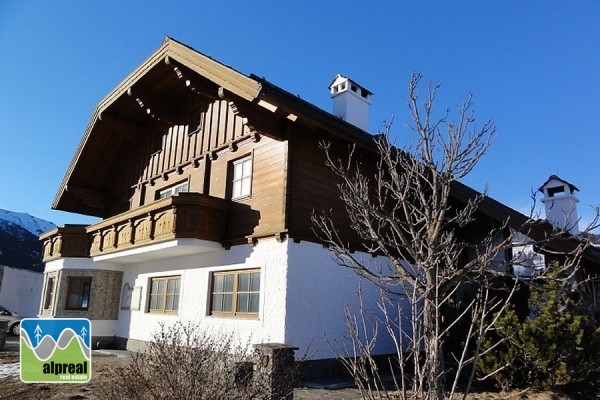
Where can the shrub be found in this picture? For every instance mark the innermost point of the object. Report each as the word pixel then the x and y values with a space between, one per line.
pixel 182 361
pixel 554 346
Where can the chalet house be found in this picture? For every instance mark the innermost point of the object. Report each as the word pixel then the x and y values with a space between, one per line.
pixel 205 179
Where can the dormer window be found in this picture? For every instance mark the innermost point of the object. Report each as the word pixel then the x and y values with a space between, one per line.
pixel 172 190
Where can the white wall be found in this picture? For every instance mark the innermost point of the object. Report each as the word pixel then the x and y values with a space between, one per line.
pixel 21 290
pixel 268 255
pixel 303 296
pixel 319 291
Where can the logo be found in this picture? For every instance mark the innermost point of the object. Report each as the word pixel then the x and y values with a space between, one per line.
pixel 56 350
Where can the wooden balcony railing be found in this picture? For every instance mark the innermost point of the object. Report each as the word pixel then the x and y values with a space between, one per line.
pixel 186 215
pixel 65 241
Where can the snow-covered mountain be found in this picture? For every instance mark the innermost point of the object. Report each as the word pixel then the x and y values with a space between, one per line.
pixel 19 243
pixel 26 221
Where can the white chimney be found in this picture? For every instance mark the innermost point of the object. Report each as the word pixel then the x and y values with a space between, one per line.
pixel 561 204
pixel 350 101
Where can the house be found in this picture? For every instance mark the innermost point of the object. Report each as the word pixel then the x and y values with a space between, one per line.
pixel 20 290
pixel 205 180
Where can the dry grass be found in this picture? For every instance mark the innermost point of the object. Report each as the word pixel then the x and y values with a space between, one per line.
pixel 102 372
pixel 104 367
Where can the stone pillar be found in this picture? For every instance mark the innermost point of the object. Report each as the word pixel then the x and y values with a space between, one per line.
pixel 275 367
pixel 3 334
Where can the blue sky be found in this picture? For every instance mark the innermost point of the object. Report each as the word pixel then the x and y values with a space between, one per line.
pixel 533 66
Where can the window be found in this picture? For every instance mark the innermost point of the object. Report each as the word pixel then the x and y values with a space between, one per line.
pixel 235 293
pixel 164 294
pixel 242 178
pixel 555 190
pixel 49 293
pixel 172 190
pixel 78 293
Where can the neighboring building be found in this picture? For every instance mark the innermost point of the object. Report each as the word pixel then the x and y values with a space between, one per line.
pixel 205 180
pixel 560 204
pixel 533 256
pixel 21 290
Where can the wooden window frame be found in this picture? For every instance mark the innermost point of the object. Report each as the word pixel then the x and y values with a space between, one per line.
pixel 246 175
pixel 234 313
pixel 164 295
pixel 81 293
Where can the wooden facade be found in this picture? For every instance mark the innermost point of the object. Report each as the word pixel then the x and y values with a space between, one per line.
pixel 182 118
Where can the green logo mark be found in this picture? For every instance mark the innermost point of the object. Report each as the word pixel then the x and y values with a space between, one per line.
pixel 56 350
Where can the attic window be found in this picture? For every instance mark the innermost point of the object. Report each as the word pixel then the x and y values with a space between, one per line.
pixel 172 190
pixel 555 190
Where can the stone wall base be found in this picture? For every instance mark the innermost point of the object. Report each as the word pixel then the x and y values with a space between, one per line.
pixel 334 368
pixel 104 342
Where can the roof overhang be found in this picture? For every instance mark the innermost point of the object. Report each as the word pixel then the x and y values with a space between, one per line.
pixel 171 69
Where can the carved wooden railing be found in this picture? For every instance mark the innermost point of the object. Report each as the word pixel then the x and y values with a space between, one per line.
pixel 65 241
pixel 186 215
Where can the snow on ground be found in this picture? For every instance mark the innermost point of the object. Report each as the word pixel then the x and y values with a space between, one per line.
pixel 8 370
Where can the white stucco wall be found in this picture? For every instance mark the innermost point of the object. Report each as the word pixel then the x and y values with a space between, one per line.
pixel 319 290
pixel 268 255
pixel 21 290
pixel 303 296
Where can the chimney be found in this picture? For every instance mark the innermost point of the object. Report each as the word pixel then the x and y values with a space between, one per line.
pixel 350 101
pixel 561 204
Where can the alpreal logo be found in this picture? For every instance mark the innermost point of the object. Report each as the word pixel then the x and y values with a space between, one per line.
pixel 56 350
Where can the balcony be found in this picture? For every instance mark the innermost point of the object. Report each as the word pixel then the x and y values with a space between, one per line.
pixel 65 241
pixel 184 216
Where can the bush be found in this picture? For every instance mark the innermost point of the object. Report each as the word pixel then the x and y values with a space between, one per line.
pixel 184 362
pixel 553 347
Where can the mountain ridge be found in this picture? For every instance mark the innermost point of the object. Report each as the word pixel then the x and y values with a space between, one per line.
pixel 19 240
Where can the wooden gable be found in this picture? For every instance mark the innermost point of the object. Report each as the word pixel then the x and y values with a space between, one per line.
pixel 171 111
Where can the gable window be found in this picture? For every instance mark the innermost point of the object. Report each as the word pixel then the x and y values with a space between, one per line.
pixel 172 190
pixel 164 294
pixel 78 293
pixel 235 293
pixel 242 178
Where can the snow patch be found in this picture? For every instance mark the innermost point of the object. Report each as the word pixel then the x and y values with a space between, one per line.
pixel 8 370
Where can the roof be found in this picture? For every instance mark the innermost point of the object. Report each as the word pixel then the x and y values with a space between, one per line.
pixel 352 81
pixel 555 177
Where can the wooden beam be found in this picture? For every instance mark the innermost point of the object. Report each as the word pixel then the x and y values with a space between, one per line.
pixel 128 129
pixel 90 197
pixel 190 82
pixel 258 119
pixel 152 109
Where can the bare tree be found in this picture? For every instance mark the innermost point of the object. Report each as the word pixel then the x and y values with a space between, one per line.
pixel 405 213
